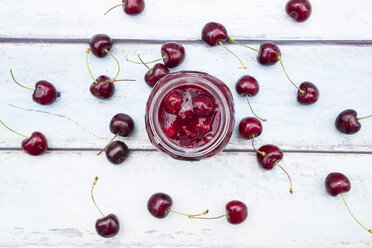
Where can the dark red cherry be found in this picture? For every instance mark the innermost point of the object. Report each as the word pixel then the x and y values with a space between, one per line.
pixel 134 7
pixel 159 204
pixel 122 124
pixel 247 85
pixel 337 183
pixel 103 89
pixel 299 10
pixel 272 155
pixel 269 53
pixel 45 93
pixel 203 105
pixel 117 152
pixel 99 43
pixel 174 54
pixel 214 32
pixel 250 126
pixel 173 102
pixel 108 226
pixel 347 122
pixel 158 71
pixel 237 212
pixel 311 94
pixel 36 145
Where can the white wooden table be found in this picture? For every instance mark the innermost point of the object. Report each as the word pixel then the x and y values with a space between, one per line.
pixel 45 201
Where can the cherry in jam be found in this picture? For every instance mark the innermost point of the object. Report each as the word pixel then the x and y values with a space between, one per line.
pixel 189 116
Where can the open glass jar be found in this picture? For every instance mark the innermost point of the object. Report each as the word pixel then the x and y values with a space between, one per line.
pixel 190 115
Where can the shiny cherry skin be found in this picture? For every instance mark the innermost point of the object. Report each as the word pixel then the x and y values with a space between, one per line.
pixel 299 10
pixel 134 7
pixel 108 226
pixel 311 94
pixel 250 126
pixel 203 105
pixel 347 122
pixel 174 52
pixel 268 54
pixel 117 152
pixel 158 205
pixel 247 85
pixel 98 43
pixel 36 145
pixel 122 124
pixel 45 93
pixel 158 71
pixel 103 89
pixel 237 212
pixel 213 33
pixel 337 183
pixel 173 102
pixel 272 154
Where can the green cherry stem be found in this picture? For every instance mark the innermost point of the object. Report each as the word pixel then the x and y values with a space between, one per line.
pixel 122 4
pixel 233 41
pixel 103 149
pixel 144 63
pixel 290 180
pixel 262 119
pixel 188 215
pixel 208 218
pixel 236 56
pixel 90 72
pixel 91 194
pixel 117 62
pixel 365 117
pixel 13 130
pixel 260 152
pixel 11 73
pixel 285 72
pixel 150 62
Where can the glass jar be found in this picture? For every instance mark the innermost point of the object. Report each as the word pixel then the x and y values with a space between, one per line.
pixel 190 115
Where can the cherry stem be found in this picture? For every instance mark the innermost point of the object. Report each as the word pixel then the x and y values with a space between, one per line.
pixel 11 73
pixel 236 56
pixel 91 194
pixel 90 72
pixel 262 119
pixel 13 130
pixel 285 72
pixel 290 180
pixel 260 152
pixel 116 135
pixel 122 4
pixel 231 40
pixel 369 230
pixel 144 63
pixel 117 62
pixel 365 117
pixel 209 218
pixel 188 215
pixel 150 62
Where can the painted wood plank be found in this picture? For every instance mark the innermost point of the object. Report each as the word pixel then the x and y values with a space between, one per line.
pixel 342 74
pixel 45 201
pixel 178 19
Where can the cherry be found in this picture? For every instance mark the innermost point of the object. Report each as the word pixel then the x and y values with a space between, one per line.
pixel 347 121
pixel 299 10
pixel 99 45
pixel 309 93
pixel 237 212
pixel 107 226
pixel 156 73
pixel 268 54
pixel 34 145
pixel 131 7
pixel 122 124
pixel 250 127
pixel 270 155
pixel 213 33
pixel 248 86
pixel 203 105
pixel 102 88
pixel 44 93
pixel 173 102
pixel 173 54
pixel 337 183
pixel 117 152
pixel 159 206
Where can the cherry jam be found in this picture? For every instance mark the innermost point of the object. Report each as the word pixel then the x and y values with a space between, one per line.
pixel 190 115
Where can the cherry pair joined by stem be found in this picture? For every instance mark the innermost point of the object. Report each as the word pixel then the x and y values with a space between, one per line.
pixel 34 145
pixel 130 7
pixel 44 92
pixel 337 183
pixel 298 10
pixel 347 121
pixel 102 87
pixel 107 226
pixel 159 205
pixel 117 151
